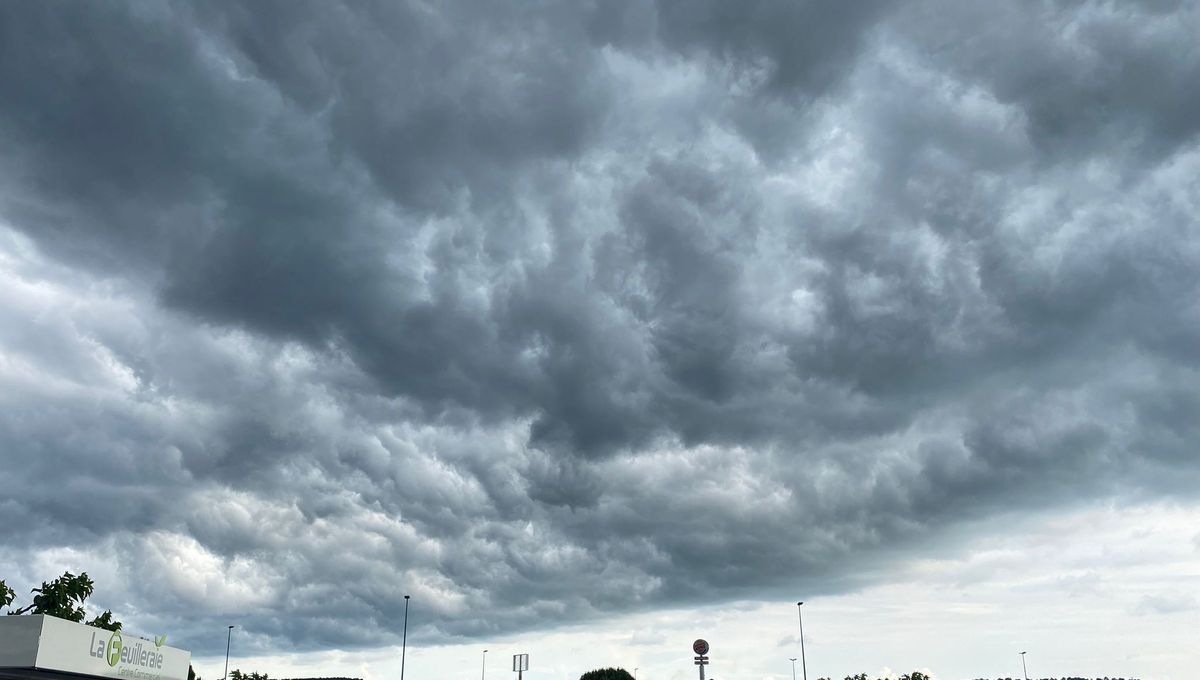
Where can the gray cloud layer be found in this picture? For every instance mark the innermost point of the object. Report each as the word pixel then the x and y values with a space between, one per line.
pixel 546 312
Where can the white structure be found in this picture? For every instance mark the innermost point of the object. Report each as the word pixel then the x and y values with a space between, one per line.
pixel 50 648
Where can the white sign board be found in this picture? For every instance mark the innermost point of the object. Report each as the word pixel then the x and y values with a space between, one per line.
pixel 62 645
pixel 520 662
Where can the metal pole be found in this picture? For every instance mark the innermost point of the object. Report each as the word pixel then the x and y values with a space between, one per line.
pixel 1023 671
pixel 803 663
pixel 635 673
pixel 483 667
pixel 793 660
pixel 404 640
pixel 228 637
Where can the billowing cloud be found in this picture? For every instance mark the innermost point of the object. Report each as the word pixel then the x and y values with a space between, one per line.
pixel 541 314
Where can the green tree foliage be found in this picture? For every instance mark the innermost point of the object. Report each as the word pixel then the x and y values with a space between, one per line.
pixel 105 621
pixel 607 674
pixel 236 674
pixel 918 675
pixel 63 597
pixel 915 675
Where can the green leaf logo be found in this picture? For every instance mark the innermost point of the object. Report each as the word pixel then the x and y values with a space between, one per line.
pixel 160 640
pixel 114 648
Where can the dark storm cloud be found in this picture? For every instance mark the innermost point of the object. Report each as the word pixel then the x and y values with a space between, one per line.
pixel 805 46
pixel 1090 82
pixel 545 312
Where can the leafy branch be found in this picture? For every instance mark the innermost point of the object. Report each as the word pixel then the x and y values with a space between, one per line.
pixel 63 597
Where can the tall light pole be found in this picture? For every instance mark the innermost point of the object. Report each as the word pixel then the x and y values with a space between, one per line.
pixel 635 673
pixel 228 637
pixel 1023 671
pixel 803 664
pixel 793 660
pixel 483 666
pixel 404 640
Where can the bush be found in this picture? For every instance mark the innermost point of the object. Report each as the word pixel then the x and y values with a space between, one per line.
pixel 607 674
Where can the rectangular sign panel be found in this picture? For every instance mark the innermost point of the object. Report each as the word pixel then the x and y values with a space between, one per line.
pixel 75 648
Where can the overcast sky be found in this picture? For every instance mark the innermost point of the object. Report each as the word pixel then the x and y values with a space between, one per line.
pixel 600 326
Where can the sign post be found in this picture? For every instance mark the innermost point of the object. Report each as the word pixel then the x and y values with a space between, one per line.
pixel 520 664
pixel 700 647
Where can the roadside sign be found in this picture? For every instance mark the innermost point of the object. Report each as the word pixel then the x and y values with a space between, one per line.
pixel 700 647
pixel 520 662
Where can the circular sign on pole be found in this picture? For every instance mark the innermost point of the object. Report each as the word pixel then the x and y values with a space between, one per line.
pixel 700 647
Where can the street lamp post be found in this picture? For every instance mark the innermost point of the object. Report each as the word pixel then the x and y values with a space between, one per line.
pixel 228 637
pixel 483 666
pixel 404 640
pixel 803 664
pixel 1023 671
pixel 793 660
pixel 635 673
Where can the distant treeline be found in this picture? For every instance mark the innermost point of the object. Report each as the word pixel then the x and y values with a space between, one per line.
pixel 1067 677
pixel 917 675
pixel 319 678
